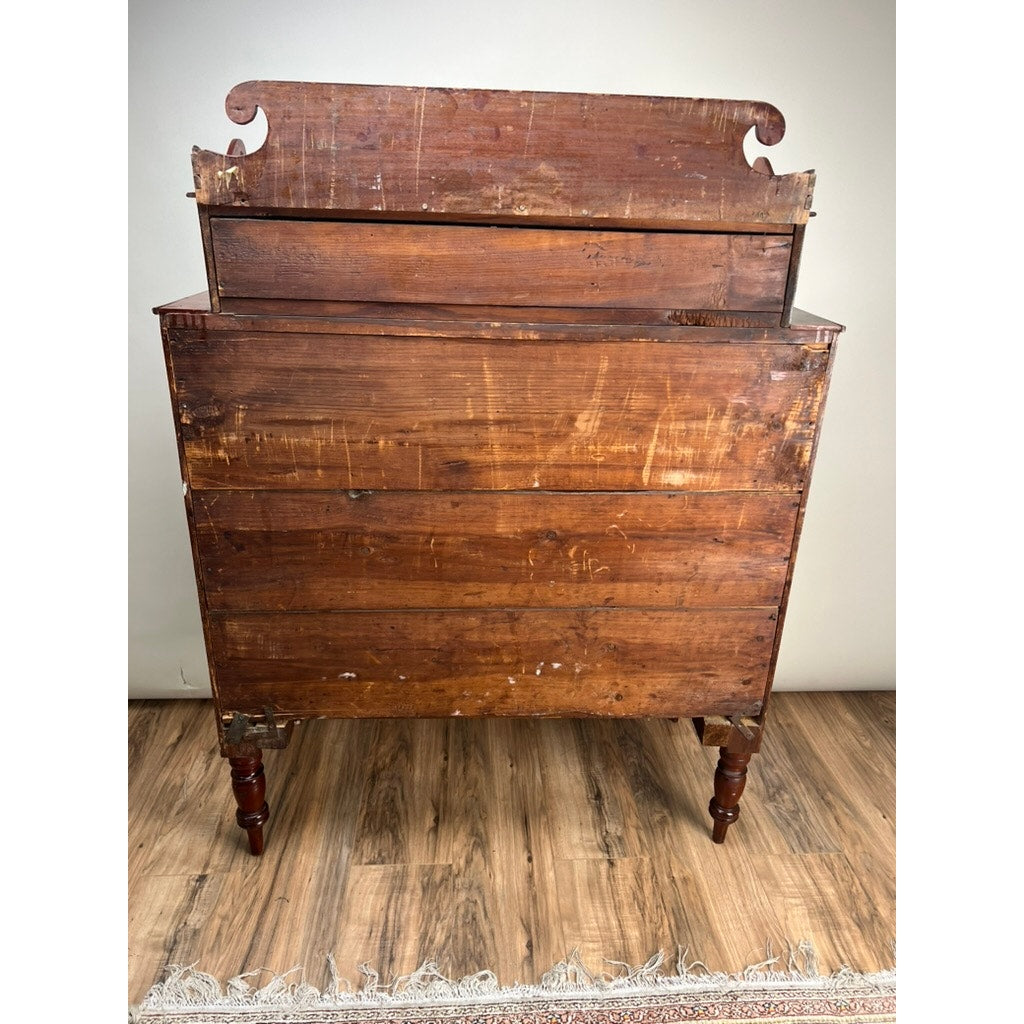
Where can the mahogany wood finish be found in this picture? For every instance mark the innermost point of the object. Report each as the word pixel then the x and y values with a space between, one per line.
pixel 530 156
pixel 497 405
pixel 342 261
pixel 527 323
pixel 250 788
pixel 604 661
pixel 730 778
pixel 484 316
pixel 317 550
pixel 307 411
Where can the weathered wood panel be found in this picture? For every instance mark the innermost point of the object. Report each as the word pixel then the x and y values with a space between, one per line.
pixel 513 662
pixel 404 314
pixel 330 412
pixel 332 260
pixel 641 160
pixel 266 550
pixel 625 324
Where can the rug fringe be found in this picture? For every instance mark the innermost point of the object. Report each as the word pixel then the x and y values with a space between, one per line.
pixel 187 988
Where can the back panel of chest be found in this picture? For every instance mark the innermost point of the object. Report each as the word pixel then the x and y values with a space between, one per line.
pixel 519 421
pixel 480 521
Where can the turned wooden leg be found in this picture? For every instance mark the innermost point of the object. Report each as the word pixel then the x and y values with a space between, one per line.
pixel 730 777
pixel 250 788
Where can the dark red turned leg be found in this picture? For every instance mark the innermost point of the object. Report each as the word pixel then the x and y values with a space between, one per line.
pixel 250 788
pixel 730 777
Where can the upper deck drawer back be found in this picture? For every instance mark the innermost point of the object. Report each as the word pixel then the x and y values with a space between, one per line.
pixel 391 194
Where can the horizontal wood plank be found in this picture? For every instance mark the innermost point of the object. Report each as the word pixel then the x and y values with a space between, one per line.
pixel 329 411
pixel 541 156
pixel 265 550
pixel 341 261
pixel 528 323
pixel 514 662
pixel 401 314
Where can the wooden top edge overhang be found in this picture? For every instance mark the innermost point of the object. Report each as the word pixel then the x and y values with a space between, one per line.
pixel 414 319
pixel 393 152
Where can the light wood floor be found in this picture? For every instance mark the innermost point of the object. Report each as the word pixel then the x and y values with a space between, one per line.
pixel 504 845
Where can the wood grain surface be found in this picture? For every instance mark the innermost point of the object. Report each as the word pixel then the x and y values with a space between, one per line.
pixel 331 411
pixel 344 261
pixel 548 157
pixel 529 323
pixel 512 662
pixel 505 844
pixel 315 550
pixel 399 314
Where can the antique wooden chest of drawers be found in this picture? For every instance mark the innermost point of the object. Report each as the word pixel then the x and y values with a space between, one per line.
pixel 496 405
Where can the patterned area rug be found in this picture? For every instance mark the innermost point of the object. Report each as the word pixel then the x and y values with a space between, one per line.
pixel 568 994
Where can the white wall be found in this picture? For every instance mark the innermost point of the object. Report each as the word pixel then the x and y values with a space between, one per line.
pixel 829 67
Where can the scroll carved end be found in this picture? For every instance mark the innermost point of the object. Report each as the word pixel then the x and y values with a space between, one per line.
pixel 770 125
pixel 221 179
pixel 241 104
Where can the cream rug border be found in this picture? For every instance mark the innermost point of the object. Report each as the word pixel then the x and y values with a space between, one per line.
pixel 187 990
